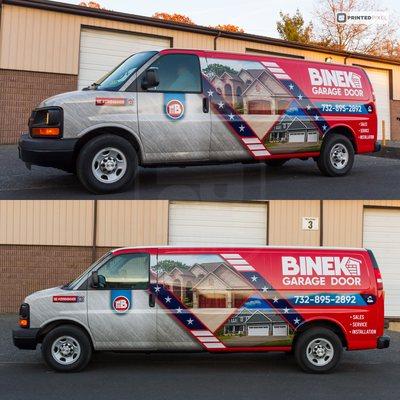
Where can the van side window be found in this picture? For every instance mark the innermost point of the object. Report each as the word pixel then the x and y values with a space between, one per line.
pixel 178 73
pixel 126 271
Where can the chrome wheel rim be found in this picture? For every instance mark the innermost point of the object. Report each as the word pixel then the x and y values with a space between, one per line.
pixel 66 350
pixel 109 165
pixel 320 352
pixel 339 156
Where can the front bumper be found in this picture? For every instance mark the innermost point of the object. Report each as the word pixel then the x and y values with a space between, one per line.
pixel 46 152
pixel 25 339
pixel 383 342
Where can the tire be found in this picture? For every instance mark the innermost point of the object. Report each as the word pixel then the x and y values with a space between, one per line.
pixel 101 151
pixel 276 162
pixel 341 163
pixel 67 335
pixel 314 339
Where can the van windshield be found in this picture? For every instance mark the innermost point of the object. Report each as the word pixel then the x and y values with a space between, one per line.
pixel 114 80
pixel 72 284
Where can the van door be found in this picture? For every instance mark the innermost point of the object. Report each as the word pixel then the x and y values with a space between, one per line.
pixel 121 313
pixel 174 119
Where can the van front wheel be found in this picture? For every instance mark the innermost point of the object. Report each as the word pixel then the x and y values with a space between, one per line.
pixel 337 156
pixel 66 348
pixel 318 350
pixel 106 164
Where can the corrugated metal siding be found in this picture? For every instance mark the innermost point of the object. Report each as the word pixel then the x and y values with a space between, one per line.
pixel 132 223
pixel 342 223
pixel 49 222
pixel 285 222
pixel 40 40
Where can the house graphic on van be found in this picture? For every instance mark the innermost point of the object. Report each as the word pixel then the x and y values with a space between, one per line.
pixel 353 266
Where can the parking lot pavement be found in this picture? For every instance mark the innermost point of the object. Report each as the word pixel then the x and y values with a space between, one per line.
pixel 372 374
pixel 371 178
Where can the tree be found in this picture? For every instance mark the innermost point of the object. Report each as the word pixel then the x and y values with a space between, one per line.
pixel 375 39
pixel 91 4
pixel 228 28
pixel 293 28
pixel 218 69
pixel 183 19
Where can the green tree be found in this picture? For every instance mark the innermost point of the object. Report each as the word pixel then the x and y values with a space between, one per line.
pixel 169 265
pixel 293 28
pixel 218 69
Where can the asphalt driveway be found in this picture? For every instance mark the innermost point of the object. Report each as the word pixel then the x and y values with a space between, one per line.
pixel 371 178
pixel 372 374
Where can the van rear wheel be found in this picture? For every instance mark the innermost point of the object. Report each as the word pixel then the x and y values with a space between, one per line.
pixel 337 155
pixel 106 164
pixel 318 350
pixel 66 348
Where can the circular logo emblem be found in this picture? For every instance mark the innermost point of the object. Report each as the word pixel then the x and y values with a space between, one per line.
pixel 121 304
pixel 175 109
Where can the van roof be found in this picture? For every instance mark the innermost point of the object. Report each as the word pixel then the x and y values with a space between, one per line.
pixel 247 56
pixel 242 247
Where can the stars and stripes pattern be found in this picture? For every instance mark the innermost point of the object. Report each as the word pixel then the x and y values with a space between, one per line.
pixel 191 323
pixel 281 305
pixel 235 122
pixel 305 104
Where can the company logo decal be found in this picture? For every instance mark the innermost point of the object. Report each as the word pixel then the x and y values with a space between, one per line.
pixel 121 301
pixel 114 101
pixel 321 271
pixel 68 299
pixel 335 82
pixel 175 109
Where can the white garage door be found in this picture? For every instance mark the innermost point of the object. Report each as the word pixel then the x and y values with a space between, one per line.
pixel 214 224
pixel 101 51
pixel 280 330
pixel 382 236
pixel 262 330
pixel 380 82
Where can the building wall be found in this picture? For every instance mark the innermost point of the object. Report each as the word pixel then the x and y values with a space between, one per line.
pixel 395 119
pixel 20 92
pixel 45 243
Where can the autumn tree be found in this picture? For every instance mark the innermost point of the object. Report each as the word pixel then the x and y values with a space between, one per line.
pixel 91 4
pixel 183 19
pixel 293 28
pixel 375 39
pixel 228 28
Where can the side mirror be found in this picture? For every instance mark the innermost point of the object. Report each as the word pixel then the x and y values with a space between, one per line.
pixel 150 78
pixel 94 280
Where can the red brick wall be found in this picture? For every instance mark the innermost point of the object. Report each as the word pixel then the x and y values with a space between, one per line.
pixel 23 90
pixel 26 269
pixel 395 119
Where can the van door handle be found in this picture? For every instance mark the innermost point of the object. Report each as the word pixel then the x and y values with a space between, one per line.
pixel 152 299
pixel 206 105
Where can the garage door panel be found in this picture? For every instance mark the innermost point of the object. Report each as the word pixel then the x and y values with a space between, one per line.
pixel 209 224
pixel 382 236
pixel 380 83
pixel 101 51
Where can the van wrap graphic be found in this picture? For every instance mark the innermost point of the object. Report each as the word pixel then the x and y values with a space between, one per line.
pixel 174 106
pixel 121 301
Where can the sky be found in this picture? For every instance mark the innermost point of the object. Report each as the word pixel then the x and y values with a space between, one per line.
pixel 254 16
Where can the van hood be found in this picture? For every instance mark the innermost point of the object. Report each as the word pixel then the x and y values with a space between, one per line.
pixel 45 293
pixel 70 97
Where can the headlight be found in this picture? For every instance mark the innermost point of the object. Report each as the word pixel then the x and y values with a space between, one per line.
pixel 46 122
pixel 24 315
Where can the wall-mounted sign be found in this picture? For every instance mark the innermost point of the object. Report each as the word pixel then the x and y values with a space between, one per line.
pixel 310 223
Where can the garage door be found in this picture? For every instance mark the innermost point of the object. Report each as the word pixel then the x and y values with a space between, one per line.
pixel 262 330
pixel 380 82
pixel 101 51
pixel 382 235
pixel 213 224
pixel 280 330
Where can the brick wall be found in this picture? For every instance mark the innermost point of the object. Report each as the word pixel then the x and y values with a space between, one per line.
pixel 395 119
pixel 26 269
pixel 23 90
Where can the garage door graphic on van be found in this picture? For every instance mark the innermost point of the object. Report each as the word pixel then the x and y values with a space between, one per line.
pixel 192 107
pixel 212 299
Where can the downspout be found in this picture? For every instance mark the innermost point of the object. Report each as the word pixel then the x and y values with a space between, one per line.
pixel 345 60
pixel 216 38
pixel 94 237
